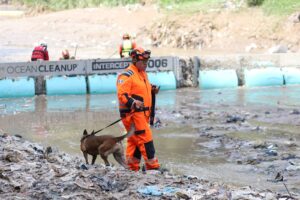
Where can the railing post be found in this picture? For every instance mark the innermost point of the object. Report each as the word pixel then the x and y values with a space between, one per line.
pixel 196 68
pixel 40 85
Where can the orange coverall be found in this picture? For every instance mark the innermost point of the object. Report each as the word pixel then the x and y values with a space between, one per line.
pixel 134 85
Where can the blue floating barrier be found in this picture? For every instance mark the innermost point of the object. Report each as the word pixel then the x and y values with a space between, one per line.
pixel 291 75
pixel 101 84
pixel 213 79
pixel 66 85
pixel 166 80
pixel 20 87
pixel 270 76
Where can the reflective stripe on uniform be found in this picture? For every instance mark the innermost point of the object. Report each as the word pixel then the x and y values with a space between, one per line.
pixel 128 73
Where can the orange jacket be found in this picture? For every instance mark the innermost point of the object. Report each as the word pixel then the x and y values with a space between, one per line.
pixel 134 85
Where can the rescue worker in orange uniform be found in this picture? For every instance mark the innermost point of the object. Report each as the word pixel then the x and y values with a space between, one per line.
pixel 40 53
pixel 126 46
pixel 134 94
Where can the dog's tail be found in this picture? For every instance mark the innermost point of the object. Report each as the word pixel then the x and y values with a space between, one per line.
pixel 128 134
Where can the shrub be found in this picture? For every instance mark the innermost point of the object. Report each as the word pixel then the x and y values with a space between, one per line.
pixel 254 2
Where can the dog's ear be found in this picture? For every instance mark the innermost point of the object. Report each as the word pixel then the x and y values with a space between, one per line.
pixel 85 132
pixel 93 132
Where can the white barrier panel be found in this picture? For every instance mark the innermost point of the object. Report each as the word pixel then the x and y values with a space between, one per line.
pixel 79 67
pixel 42 68
pixel 102 66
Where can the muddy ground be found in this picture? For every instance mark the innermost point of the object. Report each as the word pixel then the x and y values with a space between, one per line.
pixel 228 139
pixel 30 171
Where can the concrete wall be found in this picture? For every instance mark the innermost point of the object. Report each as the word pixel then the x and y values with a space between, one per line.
pixel 243 63
pixel 204 71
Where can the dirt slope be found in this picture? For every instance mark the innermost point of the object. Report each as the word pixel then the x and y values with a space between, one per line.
pixel 98 31
pixel 229 32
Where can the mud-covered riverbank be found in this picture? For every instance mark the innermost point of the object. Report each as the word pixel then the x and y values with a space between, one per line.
pixel 233 137
pixel 30 171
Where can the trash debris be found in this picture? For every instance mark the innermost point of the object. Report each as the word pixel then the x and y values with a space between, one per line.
pixel 234 119
pixel 150 190
pixel 44 173
pixel 154 190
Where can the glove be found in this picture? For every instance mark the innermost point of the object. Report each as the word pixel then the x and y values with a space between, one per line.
pixel 138 104
pixel 155 89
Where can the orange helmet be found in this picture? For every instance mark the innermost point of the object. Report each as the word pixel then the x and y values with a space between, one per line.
pixel 140 54
pixel 126 36
pixel 65 53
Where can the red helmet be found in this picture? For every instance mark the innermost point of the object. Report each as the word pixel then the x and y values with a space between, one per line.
pixel 126 36
pixel 140 54
pixel 65 53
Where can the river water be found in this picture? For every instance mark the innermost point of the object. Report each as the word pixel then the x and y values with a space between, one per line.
pixel 195 136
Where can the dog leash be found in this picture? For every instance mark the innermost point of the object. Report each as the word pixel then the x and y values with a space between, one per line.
pixel 94 132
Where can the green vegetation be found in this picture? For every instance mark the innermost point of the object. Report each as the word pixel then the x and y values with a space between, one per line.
pixel 254 2
pixel 177 5
pixel 273 7
pixel 190 6
pixel 69 4
pixel 280 7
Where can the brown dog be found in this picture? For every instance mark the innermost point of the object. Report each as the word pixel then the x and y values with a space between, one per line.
pixel 103 145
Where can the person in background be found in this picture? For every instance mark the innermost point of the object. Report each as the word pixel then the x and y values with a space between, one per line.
pixel 66 55
pixel 134 95
pixel 40 53
pixel 126 46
